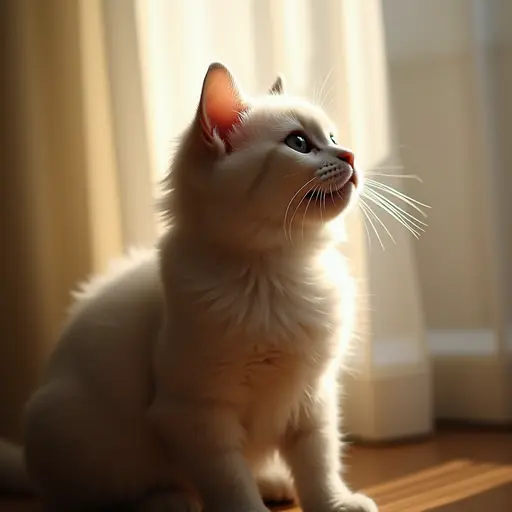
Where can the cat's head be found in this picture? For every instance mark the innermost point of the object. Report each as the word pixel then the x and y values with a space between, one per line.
pixel 258 171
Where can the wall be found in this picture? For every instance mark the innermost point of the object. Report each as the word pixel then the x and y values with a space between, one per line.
pixel 435 103
pixel 450 65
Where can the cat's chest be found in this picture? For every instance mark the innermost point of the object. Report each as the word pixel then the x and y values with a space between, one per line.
pixel 256 334
pixel 273 385
pixel 277 335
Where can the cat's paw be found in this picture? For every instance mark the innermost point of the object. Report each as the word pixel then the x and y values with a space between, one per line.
pixel 355 503
pixel 169 502
pixel 276 488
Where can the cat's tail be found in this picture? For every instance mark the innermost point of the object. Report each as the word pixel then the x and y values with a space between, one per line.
pixel 13 474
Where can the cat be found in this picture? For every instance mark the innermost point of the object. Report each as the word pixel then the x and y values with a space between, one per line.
pixel 203 374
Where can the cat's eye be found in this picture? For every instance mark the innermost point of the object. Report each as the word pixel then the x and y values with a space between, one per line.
pixel 331 136
pixel 298 142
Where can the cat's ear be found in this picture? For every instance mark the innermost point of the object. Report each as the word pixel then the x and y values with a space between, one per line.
pixel 221 105
pixel 278 86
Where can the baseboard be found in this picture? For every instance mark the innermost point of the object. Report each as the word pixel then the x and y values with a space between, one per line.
pixel 472 382
pixel 388 406
pixel 472 388
pixel 469 379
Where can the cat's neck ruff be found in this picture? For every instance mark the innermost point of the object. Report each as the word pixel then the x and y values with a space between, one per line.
pixel 198 246
pixel 280 295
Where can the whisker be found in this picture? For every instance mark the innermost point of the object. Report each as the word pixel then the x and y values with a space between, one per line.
pixel 290 227
pixel 404 222
pixel 306 210
pixel 381 222
pixel 368 237
pixel 322 198
pixel 396 167
pixel 376 200
pixel 393 191
pixel 296 210
pixel 411 218
pixel 332 197
pixel 289 205
pixel 366 209
pixel 413 228
pixel 331 105
pixel 328 97
pixel 324 83
pixel 385 175
pixel 292 174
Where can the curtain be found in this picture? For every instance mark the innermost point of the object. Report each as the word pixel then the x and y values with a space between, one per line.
pixel 98 91
pixel 61 217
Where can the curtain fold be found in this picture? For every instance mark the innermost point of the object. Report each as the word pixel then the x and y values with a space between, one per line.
pixel 60 218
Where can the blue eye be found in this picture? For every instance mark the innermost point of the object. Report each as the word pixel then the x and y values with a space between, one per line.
pixel 333 140
pixel 298 142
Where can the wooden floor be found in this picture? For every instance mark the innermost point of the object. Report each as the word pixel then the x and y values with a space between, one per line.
pixel 458 470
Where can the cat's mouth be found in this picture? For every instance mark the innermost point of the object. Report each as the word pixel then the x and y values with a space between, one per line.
pixel 315 195
pixel 336 190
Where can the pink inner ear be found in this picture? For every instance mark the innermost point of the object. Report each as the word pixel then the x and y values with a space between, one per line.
pixel 221 101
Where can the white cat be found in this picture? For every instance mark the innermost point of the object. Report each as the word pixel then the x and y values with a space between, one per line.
pixel 203 374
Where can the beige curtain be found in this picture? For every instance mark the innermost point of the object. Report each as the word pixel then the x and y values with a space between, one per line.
pixel 60 216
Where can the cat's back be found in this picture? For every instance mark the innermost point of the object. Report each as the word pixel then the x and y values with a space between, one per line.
pixel 108 339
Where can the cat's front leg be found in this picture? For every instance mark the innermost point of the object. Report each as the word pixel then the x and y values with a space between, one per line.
pixel 312 450
pixel 204 439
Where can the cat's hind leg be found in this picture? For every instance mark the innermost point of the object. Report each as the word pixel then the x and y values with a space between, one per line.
pixel 80 452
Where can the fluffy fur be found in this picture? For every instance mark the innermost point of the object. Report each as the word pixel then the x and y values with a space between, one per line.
pixel 204 373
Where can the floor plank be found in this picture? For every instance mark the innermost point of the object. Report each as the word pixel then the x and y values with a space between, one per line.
pixel 458 470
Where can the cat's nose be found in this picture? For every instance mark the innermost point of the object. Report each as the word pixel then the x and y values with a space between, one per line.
pixel 346 156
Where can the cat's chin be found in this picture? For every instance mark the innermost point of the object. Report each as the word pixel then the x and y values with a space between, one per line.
pixel 326 205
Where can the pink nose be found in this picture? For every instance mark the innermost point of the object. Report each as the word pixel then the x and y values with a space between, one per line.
pixel 347 156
